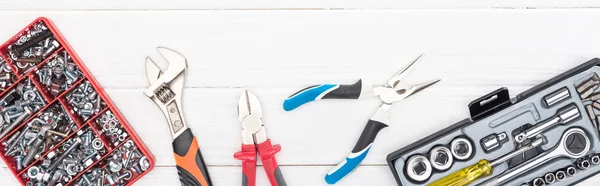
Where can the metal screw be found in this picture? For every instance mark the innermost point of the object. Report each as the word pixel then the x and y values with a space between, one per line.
pixel 125 176
pixel 19 161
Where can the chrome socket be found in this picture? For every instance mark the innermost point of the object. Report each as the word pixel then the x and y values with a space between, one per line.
pixel 461 148
pixel 441 158
pixel 418 168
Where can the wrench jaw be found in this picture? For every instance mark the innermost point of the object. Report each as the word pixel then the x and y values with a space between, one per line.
pixel 166 88
pixel 172 107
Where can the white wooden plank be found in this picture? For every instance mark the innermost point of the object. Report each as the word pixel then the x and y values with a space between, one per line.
pixel 232 176
pixel 112 5
pixel 242 48
pixel 366 175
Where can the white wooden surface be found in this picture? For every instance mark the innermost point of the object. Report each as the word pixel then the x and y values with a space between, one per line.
pixel 275 48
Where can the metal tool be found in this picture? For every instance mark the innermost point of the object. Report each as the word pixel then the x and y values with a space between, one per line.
pixel 254 140
pixel 590 112
pixel 596 104
pixel 418 168
pixel 538 182
pixel 493 141
pixel 557 97
pixel 563 116
pixel 166 88
pixel 549 178
pixel 588 87
pixel 461 148
pixel 353 91
pixel 390 93
pixel 574 143
pixel 560 175
pixel 571 171
pixel 595 159
pixel 482 168
pixel 583 164
pixel 441 158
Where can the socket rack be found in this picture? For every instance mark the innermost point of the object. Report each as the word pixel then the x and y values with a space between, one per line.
pixel 57 125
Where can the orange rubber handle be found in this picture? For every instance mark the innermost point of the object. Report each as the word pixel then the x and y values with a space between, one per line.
pixel 190 164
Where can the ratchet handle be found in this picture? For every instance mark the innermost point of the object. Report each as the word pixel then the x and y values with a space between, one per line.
pixel 323 91
pixel 190 164
pixel 248 157
pixel 267 156
pixel 358 154
pixel 465 175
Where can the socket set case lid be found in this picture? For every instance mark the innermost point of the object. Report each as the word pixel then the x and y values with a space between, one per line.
pixel 545 135
pixel 57 125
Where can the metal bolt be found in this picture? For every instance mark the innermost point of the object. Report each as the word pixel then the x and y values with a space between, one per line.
pixel 54 45
pixel 125 176
pixel 65 154
pixel 95 153
pixel 86 179
pixel 111 179
pixel 19 162
pixel 14 124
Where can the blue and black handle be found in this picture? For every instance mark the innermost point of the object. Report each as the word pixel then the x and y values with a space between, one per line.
pixel 358 154
pixel 324 91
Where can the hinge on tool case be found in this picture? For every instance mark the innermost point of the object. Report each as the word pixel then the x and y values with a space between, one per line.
pixel 489 104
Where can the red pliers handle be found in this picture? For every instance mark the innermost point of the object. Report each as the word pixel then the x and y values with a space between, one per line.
pixel 267 155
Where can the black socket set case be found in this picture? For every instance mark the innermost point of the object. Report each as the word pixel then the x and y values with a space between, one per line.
pixel 497 113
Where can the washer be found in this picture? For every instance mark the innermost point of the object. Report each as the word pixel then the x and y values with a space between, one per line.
pixel 418 168
pixel 33 172
pixel 441 158
pixel 461 148
pixel 97 144
pixel 145 164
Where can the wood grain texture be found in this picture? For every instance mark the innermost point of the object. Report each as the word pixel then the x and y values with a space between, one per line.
pixel 275 53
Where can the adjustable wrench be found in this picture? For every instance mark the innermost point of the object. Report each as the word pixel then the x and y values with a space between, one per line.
pixel 563 116
pixel 566 148
pixel 166 88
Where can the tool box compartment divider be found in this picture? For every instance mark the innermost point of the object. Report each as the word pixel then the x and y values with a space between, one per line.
pixel 503 120
pixel 40 71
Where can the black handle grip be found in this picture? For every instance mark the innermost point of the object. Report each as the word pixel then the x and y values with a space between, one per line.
pixel 190 164
pixel 368 135
pixel 345 91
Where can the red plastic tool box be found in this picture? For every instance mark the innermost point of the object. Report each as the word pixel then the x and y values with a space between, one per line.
pixel 57 123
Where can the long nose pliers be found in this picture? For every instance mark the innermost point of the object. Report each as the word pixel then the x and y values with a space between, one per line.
pixel 389 93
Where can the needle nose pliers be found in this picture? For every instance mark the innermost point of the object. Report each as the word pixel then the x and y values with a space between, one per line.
pixel 254 140
pixel 389 93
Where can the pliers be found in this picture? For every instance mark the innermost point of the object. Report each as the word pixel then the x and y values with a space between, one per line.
pixel 254 139
pixel 389 93
pixel 166 88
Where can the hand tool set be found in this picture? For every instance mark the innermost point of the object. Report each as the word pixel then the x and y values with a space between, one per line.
pixel 547 135
pixel 52 117
pixel 389 93
pixel 58 126
pixel 255 141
